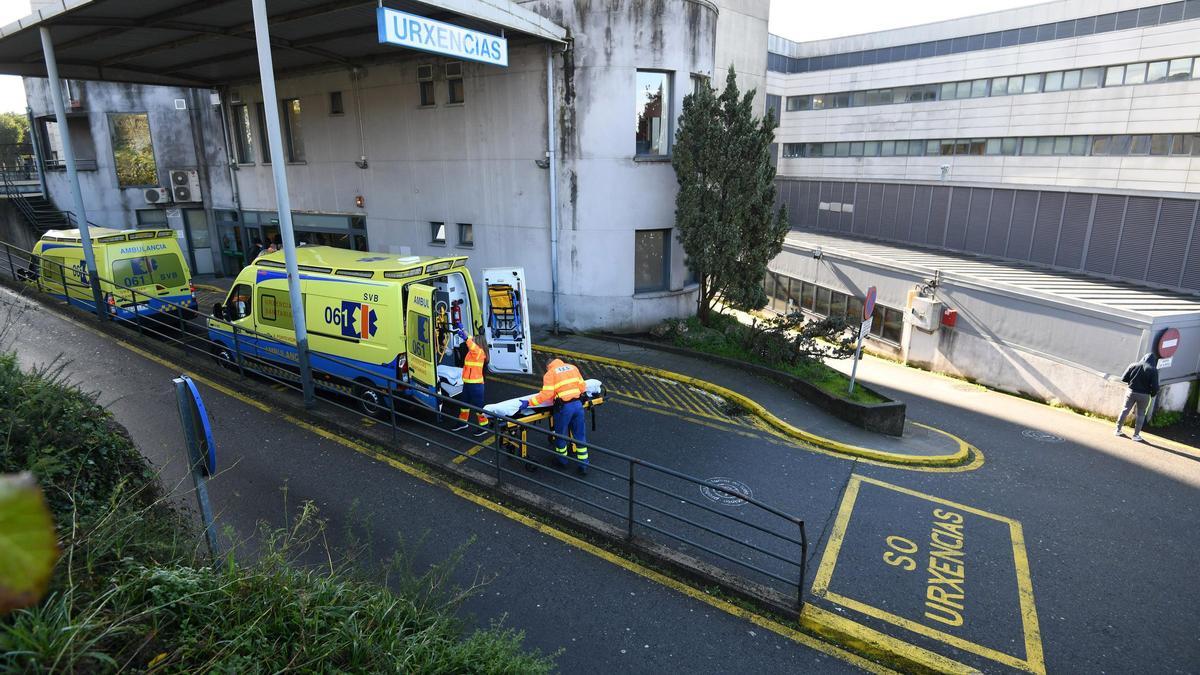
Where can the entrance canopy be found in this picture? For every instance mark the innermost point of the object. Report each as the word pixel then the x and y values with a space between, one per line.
pixel 203 43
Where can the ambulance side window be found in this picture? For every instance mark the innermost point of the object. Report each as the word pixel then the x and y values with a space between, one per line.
pixel 238 304
pixel 274 309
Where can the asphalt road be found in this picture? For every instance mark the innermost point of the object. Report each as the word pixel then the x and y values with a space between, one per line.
pixel 599 615
pixel 1096 535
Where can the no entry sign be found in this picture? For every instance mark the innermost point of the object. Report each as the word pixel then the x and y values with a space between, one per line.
pixel 1167 343
pixel 869 304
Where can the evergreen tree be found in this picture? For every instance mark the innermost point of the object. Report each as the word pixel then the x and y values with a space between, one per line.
pixel 724 212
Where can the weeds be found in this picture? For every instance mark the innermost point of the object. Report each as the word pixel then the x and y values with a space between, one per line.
pixel 130 592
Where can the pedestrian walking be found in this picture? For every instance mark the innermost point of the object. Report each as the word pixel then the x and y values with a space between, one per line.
pixel 1142 379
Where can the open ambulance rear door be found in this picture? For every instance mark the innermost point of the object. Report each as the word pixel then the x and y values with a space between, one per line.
pixel 419 334
pixel 506 320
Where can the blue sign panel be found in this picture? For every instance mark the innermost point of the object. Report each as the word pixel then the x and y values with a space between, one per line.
pixel 418 32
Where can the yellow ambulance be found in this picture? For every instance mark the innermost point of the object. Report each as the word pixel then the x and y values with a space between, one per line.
pixel 373 320
pixel 147 261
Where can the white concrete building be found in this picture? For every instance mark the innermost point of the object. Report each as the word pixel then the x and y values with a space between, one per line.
pixel 1050 158
pixel 394 149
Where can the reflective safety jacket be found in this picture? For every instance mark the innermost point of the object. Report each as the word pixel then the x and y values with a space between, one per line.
pixel 562 381
pixel 472 372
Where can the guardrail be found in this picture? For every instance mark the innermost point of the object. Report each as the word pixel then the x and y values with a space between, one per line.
pixel 767 547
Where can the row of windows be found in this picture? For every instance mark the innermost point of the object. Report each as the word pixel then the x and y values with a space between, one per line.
pixel 290 117
pixel 786 295
pixel 1071 28
pixel 466 234
pixel 1178 145
pixel 1060 80
pixel 132 147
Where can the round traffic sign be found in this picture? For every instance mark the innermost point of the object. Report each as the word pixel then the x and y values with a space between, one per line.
pixel 1167 343
pixel 869 304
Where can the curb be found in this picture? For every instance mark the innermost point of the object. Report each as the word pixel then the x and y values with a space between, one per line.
pixel 886 417
pixel 961 456
pixel 878 647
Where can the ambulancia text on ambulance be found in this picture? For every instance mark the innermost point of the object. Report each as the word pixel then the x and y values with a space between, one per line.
pixel 372 318
pixel 149 262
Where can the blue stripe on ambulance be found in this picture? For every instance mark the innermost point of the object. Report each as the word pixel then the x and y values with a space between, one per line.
pixel 341 367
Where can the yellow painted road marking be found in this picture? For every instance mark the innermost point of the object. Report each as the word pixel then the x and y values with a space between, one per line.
pixel 963 454
pixel 474 450
pixel 1034 661
pixel 208 287
pixel 548 530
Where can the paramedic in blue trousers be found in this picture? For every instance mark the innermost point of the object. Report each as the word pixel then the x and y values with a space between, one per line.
pixel 472 379
pixel 563 384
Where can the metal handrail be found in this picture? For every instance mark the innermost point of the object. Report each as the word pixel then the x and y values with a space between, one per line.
pixel 24 266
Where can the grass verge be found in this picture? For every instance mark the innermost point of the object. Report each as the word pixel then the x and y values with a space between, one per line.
pixel 722 339
pixel 131 591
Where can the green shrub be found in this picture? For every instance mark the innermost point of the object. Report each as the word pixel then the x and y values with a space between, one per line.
pixel 131 593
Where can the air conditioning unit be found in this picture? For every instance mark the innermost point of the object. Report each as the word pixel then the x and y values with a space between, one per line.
pixel 425 71
pixel 185 185
pixel 157 195
pixel 454 69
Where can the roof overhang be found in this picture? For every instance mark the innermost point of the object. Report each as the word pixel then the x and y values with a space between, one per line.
pixel 204 43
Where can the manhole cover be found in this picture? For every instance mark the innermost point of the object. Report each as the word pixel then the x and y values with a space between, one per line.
pixel 1043 436
pixel 723 497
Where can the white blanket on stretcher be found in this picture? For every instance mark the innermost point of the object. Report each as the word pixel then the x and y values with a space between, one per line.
pixel 510 407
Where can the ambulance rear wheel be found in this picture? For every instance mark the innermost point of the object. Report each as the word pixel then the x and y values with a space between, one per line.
pixel 369 400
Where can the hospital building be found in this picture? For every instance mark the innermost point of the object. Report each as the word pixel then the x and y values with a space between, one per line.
pixel 1020 187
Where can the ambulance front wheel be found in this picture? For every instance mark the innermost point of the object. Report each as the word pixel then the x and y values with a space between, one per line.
pixel 224 357
pixel 368 398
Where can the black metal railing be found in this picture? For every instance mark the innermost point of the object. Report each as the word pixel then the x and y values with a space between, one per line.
pixel 766 546
pixel 55 164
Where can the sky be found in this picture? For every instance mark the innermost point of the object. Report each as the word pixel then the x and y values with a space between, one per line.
pixel 792 19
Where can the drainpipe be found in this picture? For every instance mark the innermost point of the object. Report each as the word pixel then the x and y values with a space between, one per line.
pixel 60 114
pixel 552 158
pixel 230 148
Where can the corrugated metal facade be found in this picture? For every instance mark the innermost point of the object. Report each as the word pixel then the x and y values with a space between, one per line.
pixel 1139 238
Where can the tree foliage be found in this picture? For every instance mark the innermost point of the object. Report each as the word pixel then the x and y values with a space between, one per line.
pixel 14 128
pixel 724 212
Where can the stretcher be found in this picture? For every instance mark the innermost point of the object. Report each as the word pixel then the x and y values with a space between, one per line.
pixel 514 437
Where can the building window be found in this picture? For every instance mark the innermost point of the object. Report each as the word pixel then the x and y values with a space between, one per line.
pixel 335 103
pixel 651 260
pixel 133 151
pixel 653 108
pixel 466 235
pixel 700 81
pixel 292 132
pixel 454 83
pixel 262 133
pixel 151 219
pixel 425 85
pixel 437 233
pixel 243 141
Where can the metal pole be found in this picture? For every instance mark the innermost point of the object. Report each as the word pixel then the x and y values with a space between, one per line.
pixel 803 568
pixel 266 71
pixel 11 268
pixel 629 498
pixel 552 158
pixel 60 114
pixel 857 351
pixel 37 152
